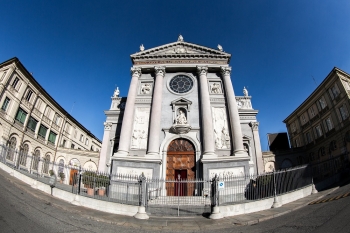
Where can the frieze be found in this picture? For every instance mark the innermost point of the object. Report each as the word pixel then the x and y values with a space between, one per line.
pixel 180 62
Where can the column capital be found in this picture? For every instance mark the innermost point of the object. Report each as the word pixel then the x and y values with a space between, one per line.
pixel 159 70
pixel 202 70
pixel 254 125
pixel 136 71
pixel 107 125
pixel 225 70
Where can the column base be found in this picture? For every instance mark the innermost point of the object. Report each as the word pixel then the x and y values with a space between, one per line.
pixel 209 155
pixel 152 154
pixel 141 213
pixel 240 153
pixel 121 153
pixel 216 213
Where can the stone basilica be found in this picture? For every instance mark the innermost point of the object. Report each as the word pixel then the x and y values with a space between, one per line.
pixel 181 118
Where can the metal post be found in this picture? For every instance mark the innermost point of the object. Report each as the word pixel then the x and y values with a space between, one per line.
pixel 275 204
pixel 141 214
pixel 216 210
pixel 178 195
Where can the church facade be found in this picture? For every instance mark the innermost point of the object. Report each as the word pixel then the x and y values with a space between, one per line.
pixel 181 118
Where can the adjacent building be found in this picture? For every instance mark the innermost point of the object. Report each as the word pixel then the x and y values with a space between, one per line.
pixel 181 117
pixel 33 123
pixel 319 129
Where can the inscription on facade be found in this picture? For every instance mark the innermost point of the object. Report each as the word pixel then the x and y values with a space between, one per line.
pixel 132 171
pixel 227 172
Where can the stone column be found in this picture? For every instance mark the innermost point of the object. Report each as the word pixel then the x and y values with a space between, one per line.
pixel 154 131
pixel 235 124
pixel 128 119
pixel 206 116
pixel 258 153
pixel 106 148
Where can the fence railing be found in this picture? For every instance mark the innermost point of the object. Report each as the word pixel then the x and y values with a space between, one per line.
pixel 159 196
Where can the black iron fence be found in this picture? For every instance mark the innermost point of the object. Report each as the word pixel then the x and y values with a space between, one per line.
pixel 159 196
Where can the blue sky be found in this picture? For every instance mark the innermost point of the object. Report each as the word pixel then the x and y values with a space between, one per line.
pixel 80 50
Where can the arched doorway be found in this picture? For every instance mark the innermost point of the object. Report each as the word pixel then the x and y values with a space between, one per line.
pixel 181 164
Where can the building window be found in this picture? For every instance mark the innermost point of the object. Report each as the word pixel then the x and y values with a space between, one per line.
pixel 23 155
pixel 321 151
pixel 42 131
pixel 343 112
pixel 86 141
pixel 296 142
pixel 81 138
pixel 329 123
pixel 3 75
pixel 308 137
pixel 312 112
pixel 38 104
pixel 322 103
pixel 21 116
pixel 32 124
pixel 72 146
pixel 15 83
pixel 46 164
pixel 36 159
pixel 48 111
pixel 60 166
pixel 293 128
pixel 57 119
pixel 5 104
pixel 29 95
pixel 318 131
pixel 64 143
pixel 11 148
pixel 333 145
pixel 303 119
pixel 335 90
pixel 312 156
pixel 75 134
pixel 52 137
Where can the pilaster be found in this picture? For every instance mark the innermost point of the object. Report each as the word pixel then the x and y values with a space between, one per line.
pixel 258 153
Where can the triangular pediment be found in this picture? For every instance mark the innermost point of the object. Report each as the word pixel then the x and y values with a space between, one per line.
pixel 181 101
pixel 180 50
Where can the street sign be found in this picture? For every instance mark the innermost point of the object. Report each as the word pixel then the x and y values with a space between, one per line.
pixel 221 184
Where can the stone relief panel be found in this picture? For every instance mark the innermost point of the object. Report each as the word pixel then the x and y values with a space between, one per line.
pixel 215 88
pixel 146 88
pixel 135 171
pixel 221 134
pixel 227 172
pixel 140 132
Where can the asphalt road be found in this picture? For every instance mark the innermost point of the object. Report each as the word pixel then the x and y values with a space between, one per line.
pixel 20 211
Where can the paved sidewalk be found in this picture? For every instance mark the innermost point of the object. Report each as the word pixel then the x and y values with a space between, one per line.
pixel 171 224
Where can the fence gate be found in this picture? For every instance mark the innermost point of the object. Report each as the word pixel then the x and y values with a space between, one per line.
pixel 178 197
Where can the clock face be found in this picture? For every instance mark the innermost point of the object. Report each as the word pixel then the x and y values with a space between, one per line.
pixel 181 84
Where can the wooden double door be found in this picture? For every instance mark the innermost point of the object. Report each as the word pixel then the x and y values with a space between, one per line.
pixel 181 167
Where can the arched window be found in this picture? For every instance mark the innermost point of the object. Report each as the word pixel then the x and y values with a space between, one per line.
pixel 321 151
pixel 36 158
pixel 11 146
pixel 23 155
pixel 46 164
